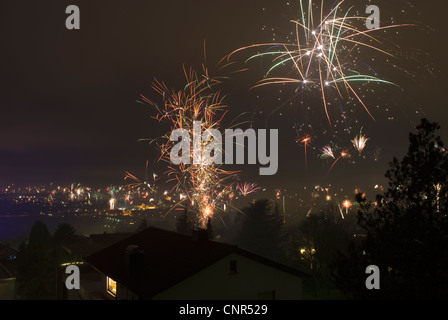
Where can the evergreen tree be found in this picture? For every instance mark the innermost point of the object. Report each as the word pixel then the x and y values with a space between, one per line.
pixel 261 230
pixel 63 234
pixel 314 244
pixel 37 265
pixel 407 233
pixel 39 236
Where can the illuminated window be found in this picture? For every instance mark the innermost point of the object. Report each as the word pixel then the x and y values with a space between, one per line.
pixel 111 286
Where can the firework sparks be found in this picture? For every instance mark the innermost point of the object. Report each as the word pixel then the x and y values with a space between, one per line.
pixel 326 54
pixel 112 203
pixel 204 184
pixel 327 152
pixel 137 182
pixel 346 204
pixel 360 142
pixel 247 188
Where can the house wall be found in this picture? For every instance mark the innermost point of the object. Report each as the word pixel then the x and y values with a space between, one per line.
pixel 124 293
pixel 7 289
pixel 252 278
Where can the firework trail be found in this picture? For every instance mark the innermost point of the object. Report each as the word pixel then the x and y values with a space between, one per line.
pixel 343 155
pixel 326 54
pixel 340 211
pixel 327 152
pixel 205 184
pixel 305 140
pixel 137 182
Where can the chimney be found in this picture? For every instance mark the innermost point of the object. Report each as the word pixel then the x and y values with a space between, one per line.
pixel 135 261
pixel 200 235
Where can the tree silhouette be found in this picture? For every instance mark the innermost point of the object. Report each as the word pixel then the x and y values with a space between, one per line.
pixel 261 230
pixel 314 243
pixel 36 265
pixel 38 260
pixel 360 198
pixel 39 236
pixel 63 234
pixel 407 233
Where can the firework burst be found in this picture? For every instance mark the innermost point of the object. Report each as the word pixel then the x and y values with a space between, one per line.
pixel 205 184
pixel 360 142
pixel 326 54
pixel 327 152
pixel 247 188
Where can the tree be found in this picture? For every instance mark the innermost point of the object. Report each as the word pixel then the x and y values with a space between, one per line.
pixel 63 233
pixel 261 230
pixel 360 197
pixel 407 233
pixel 421 177
pixel 36 269
pixel 314 243
pixel 39 259
pixel 39 236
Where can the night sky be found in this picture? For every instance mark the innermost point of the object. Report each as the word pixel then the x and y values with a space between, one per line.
pixel 68 97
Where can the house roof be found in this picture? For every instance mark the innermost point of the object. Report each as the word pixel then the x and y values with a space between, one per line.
pixel 169 258
pixel 82 245
pixel 6 251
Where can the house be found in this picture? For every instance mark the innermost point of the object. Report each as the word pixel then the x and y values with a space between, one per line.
pixel 80 246
pixel 163 265
pixel 7 272
pixel 75 250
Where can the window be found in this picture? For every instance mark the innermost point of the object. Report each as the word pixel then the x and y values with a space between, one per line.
pixel 233 267
pixel 111 286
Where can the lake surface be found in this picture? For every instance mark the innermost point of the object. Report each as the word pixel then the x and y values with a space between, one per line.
pixel 15 228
